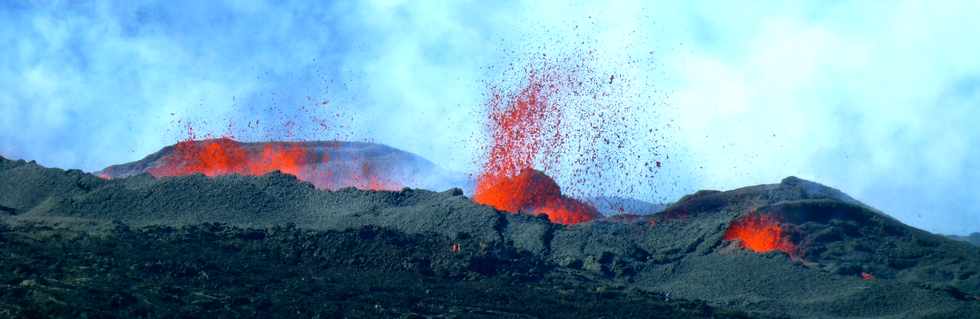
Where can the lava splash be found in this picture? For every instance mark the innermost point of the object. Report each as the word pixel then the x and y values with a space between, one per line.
pixel 760 233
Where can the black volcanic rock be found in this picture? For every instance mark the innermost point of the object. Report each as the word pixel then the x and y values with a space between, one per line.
pixel 73 234
pixel 213 270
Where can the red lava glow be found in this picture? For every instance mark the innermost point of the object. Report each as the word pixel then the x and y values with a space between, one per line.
pixel 867 276
pixel 519 129
pixel 224 156
pixel 533 192
pixel 760 233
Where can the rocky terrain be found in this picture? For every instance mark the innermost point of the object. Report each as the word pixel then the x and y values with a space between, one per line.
pixel 274 246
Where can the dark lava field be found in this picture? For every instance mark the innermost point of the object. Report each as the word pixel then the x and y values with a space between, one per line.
pixel 78 246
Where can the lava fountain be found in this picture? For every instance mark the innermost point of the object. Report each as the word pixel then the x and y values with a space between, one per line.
pixel 523 127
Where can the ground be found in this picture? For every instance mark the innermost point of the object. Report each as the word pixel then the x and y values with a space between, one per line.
pixel 273 246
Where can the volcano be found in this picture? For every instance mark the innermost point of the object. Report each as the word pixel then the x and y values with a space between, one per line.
pixel 233 245
pixel 326 164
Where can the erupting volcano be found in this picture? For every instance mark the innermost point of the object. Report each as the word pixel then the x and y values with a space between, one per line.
pixel 327 165
pixel 425 159
pixel 760 233
pixel 225 156
pixel 519 127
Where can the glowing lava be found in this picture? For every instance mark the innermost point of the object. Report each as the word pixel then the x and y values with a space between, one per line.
pixel 224 156
pixel 522 128
pixel 533 192
pixel 760 233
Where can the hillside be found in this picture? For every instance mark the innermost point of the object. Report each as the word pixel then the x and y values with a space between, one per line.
pixel 205 245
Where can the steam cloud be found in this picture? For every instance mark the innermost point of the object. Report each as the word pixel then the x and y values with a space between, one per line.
pixel 878 99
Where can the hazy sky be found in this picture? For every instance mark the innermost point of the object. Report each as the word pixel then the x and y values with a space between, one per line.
pixel 880 99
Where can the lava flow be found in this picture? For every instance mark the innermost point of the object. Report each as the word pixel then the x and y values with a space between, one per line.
pixel 760 233
pixel 224 156
pixel 519 126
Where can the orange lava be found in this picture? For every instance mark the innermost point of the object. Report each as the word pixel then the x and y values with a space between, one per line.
pixel 523 127
pixel 518 126
pixel 760 233
pixel 225 156
pixel 532 192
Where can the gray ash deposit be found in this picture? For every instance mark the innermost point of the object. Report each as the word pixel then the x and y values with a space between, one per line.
pixel 276 246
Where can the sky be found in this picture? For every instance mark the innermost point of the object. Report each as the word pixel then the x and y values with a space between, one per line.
pixel 878 99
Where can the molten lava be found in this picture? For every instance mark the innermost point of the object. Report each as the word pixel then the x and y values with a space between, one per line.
pixel 519 128
pixel 760 233
pixel 225 156
pixel 533 192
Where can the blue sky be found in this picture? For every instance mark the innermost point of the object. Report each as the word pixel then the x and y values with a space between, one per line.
pixel 879 99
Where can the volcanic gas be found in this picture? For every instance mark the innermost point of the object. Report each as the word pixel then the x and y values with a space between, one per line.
pixel 524 127
pixel 760 233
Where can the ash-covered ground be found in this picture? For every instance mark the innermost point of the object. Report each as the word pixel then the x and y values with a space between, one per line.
pixel 77 245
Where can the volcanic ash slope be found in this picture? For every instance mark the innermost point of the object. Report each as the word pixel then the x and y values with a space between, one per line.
pixel 845 259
